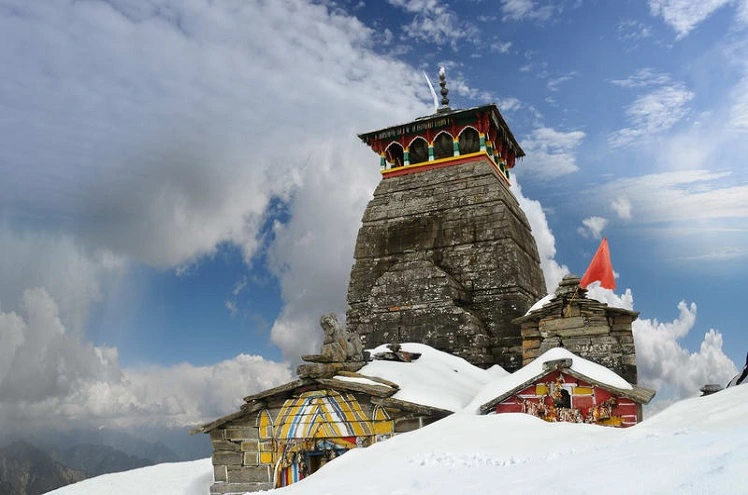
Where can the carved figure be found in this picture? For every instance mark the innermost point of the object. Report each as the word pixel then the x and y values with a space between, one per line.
pixel 335 345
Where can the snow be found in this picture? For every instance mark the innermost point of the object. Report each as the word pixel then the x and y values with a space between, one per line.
pixel 176 478
pixel 696 446
pixel 436 379
pixel 509 382
pixel 356 379
pixel 540 303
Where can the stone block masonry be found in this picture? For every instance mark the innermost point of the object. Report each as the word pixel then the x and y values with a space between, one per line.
pixel 445 257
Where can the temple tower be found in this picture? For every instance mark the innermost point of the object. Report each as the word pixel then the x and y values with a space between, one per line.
pixel 444 255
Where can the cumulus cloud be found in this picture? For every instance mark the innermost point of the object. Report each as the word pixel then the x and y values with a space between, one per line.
pixel 313 253
pixel 152 148
pixel 673 370
pixel 544 238
pixel 74 275
pixel 592 227
pixel 52 377
pixel 663 363
pixel 550 153
pixel 684 15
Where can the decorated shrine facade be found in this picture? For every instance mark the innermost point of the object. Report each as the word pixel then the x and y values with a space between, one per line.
pixel 562 387
pixel 449 137
pixel 284 434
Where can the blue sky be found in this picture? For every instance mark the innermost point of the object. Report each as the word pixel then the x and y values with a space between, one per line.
pixel 181 182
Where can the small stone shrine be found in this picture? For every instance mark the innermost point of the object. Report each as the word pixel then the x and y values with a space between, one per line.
pixel 444 255
pixel 586 327
pixel 284 434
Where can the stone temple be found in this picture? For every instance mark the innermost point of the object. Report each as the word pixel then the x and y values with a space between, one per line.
pixel 444 255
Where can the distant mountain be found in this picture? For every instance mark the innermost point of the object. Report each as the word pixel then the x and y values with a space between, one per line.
pixel 60 441
pixel 100 459
pixel 27 470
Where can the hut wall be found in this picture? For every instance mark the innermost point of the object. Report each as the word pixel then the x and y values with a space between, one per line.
pixel 587 403
pixel 587 331
pixel 235 459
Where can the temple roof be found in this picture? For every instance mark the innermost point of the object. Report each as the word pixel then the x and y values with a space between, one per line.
pixel 438 120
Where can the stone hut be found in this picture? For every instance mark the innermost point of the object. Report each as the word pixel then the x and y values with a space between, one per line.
pixel 339 402
pixel 586 327
pixel 445 255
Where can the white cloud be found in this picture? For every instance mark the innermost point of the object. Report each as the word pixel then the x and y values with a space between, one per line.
pixel 653 113
pixel 684 15
pixel 674 371
pixel 509 104
pixel 501 46
pixel 663 363
pixel 643 78
pixel 593 227
pixel 633 30
pixel 692 194
pixel 313 253
pixel 76 277
pixel 115 148
pixel 554 82
pixel 544 238
pixel 520 10
pixel 550 153
pixel 622 207
pixel 434 22
pixel 52 377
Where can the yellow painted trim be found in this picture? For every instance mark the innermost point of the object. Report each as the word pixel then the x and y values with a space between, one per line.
pixel 583 391
pixel 614 421
pixel 541 389
pixel 436 162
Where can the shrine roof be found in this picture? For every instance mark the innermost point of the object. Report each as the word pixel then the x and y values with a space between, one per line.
pixel 421 123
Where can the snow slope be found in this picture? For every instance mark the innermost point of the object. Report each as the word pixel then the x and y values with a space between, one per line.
pixel 175 478
pixel 696 446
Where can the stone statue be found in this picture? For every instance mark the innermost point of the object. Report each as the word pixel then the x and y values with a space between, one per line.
pixel 335 345
pixel 340 351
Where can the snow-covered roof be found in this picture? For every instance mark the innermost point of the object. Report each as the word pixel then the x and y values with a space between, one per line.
pixel 498 389
pixel 436 379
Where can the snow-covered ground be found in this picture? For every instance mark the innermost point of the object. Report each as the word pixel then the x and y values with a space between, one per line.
pixel 697 446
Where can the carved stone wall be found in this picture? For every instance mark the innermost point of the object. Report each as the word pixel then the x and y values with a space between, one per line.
pixel 445 257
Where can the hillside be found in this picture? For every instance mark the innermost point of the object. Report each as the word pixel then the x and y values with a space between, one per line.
pixel 698 445
pixel 27 470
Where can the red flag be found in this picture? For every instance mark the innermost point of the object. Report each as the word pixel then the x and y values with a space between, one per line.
pixel 600 269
